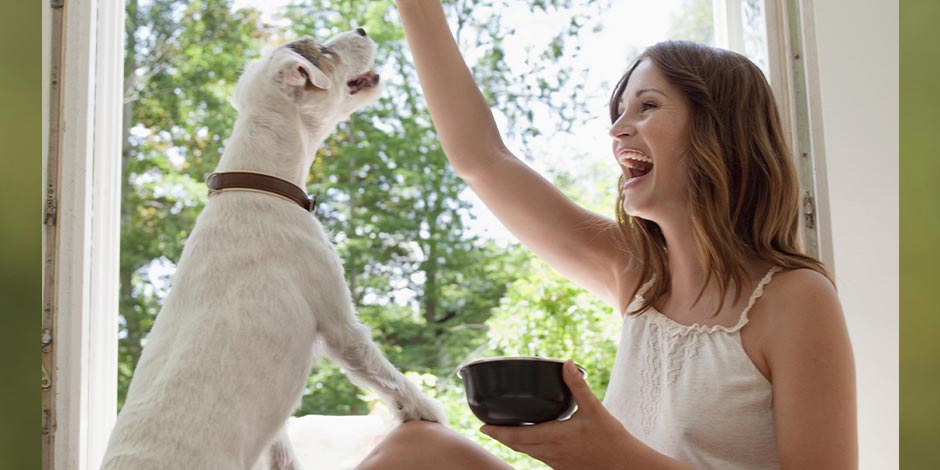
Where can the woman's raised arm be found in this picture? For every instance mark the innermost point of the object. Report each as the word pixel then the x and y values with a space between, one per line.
pixel 578 243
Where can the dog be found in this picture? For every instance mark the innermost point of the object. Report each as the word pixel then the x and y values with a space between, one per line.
pixel 259 289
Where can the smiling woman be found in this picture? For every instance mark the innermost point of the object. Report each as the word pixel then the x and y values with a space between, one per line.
pixel 651 117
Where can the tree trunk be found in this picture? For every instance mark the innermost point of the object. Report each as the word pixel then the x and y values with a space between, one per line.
pixel 352 268
pixel 430 287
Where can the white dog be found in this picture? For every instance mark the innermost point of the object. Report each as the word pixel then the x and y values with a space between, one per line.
pixel 258 286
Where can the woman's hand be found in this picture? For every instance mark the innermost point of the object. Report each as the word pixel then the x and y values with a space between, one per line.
pixel 591 438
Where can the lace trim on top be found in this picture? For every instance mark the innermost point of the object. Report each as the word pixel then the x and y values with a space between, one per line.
pixel 675 328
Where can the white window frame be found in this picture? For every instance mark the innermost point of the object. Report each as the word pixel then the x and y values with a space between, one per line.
pixel 791 59
pixel 795 79
pixel 82 167
pixel 82 170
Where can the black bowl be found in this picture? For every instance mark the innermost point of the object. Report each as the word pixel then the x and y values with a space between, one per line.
pixel 517 390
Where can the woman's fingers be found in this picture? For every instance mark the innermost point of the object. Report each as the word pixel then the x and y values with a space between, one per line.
pixel 580 389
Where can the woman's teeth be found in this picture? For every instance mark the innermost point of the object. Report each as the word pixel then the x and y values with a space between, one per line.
pixel 636 164
pixel 626 157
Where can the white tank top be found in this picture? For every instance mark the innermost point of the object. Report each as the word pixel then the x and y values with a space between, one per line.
pixel 691 392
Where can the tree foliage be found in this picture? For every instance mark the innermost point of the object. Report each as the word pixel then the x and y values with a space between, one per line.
pixel 695 23
pixel 181 62
pixel 434 294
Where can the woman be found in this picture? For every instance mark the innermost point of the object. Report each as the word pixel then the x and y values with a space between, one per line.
pixel 734 352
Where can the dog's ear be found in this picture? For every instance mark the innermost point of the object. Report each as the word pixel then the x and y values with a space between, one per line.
pixel 300 73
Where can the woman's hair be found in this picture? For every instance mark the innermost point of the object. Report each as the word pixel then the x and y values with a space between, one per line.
pixel 743 194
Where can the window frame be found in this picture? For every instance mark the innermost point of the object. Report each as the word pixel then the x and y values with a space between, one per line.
pixel 794 78
pixel 82 164
pixel 792 58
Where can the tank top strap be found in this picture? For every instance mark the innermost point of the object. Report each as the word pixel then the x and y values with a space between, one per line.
pixel 638 298
pixel 758 292
pixel 645 287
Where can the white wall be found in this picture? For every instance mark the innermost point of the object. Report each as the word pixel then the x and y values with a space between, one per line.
pixel 857 61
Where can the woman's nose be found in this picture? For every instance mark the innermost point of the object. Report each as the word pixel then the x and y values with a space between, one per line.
pixel 621 128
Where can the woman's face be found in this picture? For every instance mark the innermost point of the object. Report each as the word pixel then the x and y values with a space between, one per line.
pixel 651 138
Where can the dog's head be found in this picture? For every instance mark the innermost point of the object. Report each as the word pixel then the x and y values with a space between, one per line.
pixel 325 82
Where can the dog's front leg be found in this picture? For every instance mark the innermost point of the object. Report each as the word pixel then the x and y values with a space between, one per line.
pixel 352 347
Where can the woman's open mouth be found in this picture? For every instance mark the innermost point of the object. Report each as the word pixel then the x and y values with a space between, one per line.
pixel 361 82
pixel 636 165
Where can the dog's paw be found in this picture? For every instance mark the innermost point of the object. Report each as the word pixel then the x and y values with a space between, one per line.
pixel 421 409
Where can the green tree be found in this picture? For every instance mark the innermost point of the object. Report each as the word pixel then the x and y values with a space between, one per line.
pixel 418 278
pixel 546 315
pixel 399 214
pixel 181 62
pixel 694 23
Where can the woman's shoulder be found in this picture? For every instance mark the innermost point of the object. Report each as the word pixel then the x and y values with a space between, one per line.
pixel 801 288
pixel 805 310
pixel 796 296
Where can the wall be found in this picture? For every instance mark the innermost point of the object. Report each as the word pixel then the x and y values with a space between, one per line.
pixel 857 60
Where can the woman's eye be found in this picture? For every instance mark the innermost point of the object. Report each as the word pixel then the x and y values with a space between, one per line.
pixel 648 106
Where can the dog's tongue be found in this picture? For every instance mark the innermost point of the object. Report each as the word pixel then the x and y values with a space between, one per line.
pixel 366 80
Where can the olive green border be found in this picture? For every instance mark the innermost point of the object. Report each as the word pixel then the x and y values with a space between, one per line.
pixel 20 235
pixel 920 233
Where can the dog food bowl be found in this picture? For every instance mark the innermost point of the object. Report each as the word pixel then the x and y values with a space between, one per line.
pixel 517 390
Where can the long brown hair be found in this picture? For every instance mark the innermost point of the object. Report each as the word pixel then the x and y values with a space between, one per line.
pixel 744 194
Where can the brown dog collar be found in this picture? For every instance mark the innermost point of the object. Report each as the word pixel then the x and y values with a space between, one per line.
pixel 260 182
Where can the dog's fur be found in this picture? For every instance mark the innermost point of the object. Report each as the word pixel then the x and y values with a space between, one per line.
pixel 257 287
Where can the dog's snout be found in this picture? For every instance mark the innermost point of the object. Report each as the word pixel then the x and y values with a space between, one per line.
pixel 361 32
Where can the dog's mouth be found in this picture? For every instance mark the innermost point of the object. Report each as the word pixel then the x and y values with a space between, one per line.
pixel 362 82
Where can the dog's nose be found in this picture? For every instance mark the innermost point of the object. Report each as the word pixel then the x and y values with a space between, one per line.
pixel 361 32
